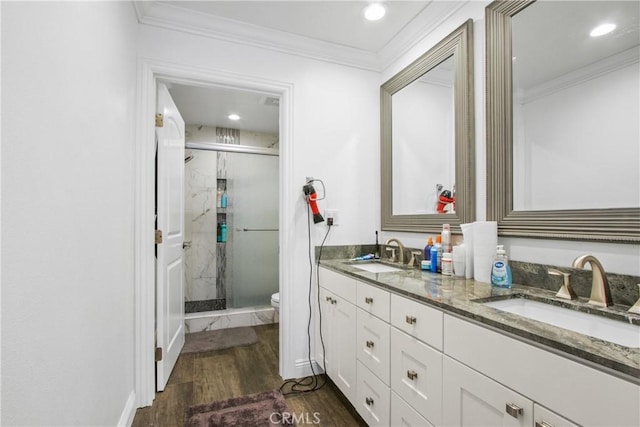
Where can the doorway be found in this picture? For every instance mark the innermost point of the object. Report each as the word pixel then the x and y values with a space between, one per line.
pixel 231 205
pixel 150 73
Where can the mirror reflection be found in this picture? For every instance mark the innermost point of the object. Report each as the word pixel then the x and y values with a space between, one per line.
pixel 576 106
pixel 423 150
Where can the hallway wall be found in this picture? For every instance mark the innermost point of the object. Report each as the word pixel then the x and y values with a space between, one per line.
pixel 68 111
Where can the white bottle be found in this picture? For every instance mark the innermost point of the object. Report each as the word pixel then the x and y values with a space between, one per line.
pixel 446 238
pixel 447 264
pixel 500 271
pixel 219 198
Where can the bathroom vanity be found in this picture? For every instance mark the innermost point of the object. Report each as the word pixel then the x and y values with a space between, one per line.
pixel 408 347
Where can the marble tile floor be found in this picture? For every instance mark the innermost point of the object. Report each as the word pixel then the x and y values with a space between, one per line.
pixel 205 377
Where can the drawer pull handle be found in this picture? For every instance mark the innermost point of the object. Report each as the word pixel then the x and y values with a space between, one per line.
pixel 368 300
pixel 368 401
pixel 543 424
pixel 412 375
pixel 514 410
pixel 370 344
pixel 410 320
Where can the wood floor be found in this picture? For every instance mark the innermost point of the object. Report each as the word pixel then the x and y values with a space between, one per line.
pixel 205 377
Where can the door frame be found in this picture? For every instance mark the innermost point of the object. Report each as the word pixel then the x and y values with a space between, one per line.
pixel 149 72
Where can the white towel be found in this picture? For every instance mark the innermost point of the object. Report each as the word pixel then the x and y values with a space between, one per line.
pixel 485 240
pixel 467 234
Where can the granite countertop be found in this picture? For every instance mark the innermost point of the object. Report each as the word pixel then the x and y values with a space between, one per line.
pixel 458 296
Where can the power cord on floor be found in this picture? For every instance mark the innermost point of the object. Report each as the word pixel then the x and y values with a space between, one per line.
pixel 311 383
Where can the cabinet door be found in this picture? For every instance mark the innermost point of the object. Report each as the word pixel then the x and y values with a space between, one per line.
pixel 342 351
pixel 542 417
pixel 416 375
pixel 372 402
pixel 373 344
pixel 471 399
pixel 324 320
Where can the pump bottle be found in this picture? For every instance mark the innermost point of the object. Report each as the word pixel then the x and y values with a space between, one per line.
pixel 500 271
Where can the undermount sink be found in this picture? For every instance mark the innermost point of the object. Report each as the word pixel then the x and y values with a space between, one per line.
pixel 615 331
pixel 375 267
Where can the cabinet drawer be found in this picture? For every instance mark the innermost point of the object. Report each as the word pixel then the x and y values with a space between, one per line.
pixel 404 415
pixel 339 284
pixel 372 338
pixel 416 375
pixel 372 402
pixel 373 300
pixel 418 320
pixel 542 417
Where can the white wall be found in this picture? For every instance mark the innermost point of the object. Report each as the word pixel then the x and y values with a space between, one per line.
pixel 68 94
pixel 616 258
pixel 335 138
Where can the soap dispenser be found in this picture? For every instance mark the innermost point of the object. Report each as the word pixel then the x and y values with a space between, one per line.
pixel 500 271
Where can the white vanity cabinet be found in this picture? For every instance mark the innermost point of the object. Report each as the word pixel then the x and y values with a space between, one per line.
pixel 373 350
pixel 404 363
pixel 416 359
pixel 337 295
pixel 557 388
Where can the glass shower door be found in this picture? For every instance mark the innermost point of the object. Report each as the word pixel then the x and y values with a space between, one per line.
pixel 253 201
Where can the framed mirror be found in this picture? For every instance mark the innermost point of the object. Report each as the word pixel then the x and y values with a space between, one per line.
pixel 562 120
pixel 427 139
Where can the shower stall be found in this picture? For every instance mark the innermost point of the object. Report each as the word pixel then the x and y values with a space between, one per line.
pixel 231 231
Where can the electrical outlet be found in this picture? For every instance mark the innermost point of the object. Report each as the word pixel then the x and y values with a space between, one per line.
pixel 332 213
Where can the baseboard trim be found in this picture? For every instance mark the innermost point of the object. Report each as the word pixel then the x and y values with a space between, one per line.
pixel 129 411
pixel 303 368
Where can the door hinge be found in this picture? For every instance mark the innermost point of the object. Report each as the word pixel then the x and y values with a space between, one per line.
pixel 158 354
pixel 159 120
pixel 158 238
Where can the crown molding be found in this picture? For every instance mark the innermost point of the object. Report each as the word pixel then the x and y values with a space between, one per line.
pixel 430 18
pixel 178 18
pixel 592 71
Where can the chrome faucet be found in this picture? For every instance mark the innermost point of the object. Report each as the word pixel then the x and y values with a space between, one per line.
pixel 600 292
pixel 400 249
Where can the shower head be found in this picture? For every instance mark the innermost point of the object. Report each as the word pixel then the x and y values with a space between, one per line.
pixel 188 158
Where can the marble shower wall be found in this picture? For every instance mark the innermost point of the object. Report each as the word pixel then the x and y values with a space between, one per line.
pixel 207 278
pixel 200 227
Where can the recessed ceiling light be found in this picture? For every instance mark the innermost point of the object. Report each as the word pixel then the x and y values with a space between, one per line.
pixel 601 30
pixel 374 11
pixel 233 117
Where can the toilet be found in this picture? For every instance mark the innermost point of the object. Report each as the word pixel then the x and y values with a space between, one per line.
pixel 275 301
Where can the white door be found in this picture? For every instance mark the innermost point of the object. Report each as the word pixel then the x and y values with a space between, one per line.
pixel 170 202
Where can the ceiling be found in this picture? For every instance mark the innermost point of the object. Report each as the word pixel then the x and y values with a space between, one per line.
pixel 339 22
pixel 211 106
pixel 334 31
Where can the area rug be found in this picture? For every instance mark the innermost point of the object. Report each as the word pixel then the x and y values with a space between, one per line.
pixel 218 339
pixel 261 409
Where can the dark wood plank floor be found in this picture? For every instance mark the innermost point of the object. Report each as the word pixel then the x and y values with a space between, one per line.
pixel 205 377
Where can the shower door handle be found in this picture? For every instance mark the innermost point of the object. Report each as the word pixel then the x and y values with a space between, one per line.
pixel 256 229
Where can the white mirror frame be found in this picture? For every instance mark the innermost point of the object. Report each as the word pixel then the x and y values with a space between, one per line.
pixel 460 44
pixel 619 225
